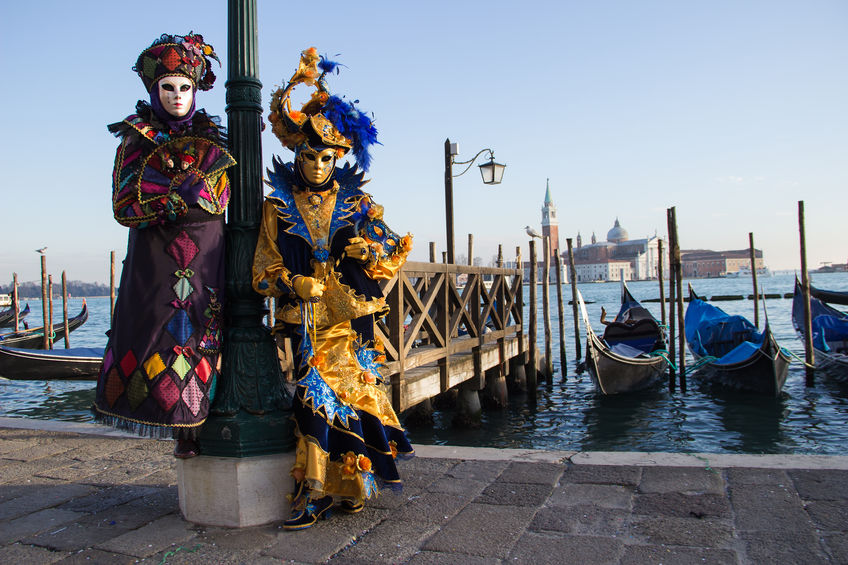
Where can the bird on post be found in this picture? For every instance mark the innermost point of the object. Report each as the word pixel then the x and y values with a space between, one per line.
pixel 531 232
pixel 42 250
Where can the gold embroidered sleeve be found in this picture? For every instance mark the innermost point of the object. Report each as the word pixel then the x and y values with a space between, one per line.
pixel 270 276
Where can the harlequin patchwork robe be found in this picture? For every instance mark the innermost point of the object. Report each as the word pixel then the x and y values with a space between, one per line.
pixel 348 435
pixel 163 353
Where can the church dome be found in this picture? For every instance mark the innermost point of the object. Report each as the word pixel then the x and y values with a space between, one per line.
pixel 617 234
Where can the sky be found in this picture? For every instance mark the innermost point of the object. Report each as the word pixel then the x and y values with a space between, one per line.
pixel 731 111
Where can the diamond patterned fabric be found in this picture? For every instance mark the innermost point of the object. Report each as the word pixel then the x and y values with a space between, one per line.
pixel 166 392
pixel 137 390
pixel 183 250
pixel 181 366
pixel 180 327
pixel 154 366
pixel 192 396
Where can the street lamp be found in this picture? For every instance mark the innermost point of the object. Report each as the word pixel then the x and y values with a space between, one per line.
pixel 491 172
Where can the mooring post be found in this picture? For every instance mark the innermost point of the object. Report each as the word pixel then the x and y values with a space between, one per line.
pixel 810 356
pixel 660 280
pixel 532 374
pixel 572 277
pixel 50 302
pixel 672 319
pixel 681 330
pixel 546 309
pixel 65 310
pixel 111 285
pixel 45 341
pixel 470 250
pixel 518 372
pixel 432 251
pixel 15 300
pixel 754 279
pixel 563 360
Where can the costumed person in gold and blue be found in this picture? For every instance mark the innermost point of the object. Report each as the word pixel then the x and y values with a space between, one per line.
pixel 169 186
pixel 323 247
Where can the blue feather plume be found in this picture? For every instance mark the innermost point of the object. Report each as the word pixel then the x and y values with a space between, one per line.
pixel 354 125
pixel 328 66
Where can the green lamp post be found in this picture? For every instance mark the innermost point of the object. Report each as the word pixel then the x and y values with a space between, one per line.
pixel 250 413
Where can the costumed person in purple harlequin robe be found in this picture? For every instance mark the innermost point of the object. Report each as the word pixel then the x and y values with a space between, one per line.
pixel 323 247
pixel 169 186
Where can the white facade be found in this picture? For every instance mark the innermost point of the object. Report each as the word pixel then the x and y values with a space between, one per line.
pixel 608 271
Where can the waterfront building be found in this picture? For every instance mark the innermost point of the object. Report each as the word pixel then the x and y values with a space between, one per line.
pixel 636 259
pixel 705 263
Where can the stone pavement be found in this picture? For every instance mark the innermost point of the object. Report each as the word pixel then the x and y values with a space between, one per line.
pixel 80 493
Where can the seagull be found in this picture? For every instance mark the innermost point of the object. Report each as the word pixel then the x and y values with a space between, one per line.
pixel 531 232
pixel 42 250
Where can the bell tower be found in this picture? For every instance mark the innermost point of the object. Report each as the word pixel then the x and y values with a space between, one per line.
pixel 550 223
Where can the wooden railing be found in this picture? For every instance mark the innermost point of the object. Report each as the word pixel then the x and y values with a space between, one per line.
pixel 433 320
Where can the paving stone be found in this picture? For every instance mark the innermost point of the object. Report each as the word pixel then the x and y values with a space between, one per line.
pixel 389 542
pixel 420 472
pixel 390 500
pixel 26 487
pixel 12 445
pixel 101 499
pixel 433 507
pixel 484 530
pixel 97 557
pixel 687 480
pixel 537 473
pixel 121 472
pixel 602 475
pixel 326 538
pixel 749 476
pixel 258 537
pixel 768 508
pixel 670 530
pixel 541 549
pixel 48 496
pixel 39 450
pixel 836 545
pixel 682 505
pixel 436 558
pixel 820 484
pixel 584 519
pixel 478 470
pixel 161 478
pixel 786 548
pixel 19 471
pixel 451 485
pixel 170 530
pixel 605 496
pixel 29 555
pixel 514 494
pixel 43 520
pixel 829 515
pixel 206 554
pixel 673 555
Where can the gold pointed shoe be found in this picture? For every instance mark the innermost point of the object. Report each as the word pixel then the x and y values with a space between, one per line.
pixel 317 509
pixel 351 507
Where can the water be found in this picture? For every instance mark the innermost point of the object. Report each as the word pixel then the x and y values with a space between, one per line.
pixel 568 414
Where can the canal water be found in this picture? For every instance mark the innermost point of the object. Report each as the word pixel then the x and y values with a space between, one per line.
pixel 567 413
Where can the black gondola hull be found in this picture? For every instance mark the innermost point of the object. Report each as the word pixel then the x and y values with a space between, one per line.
pixel 615 374
pixel 34 338
pixel 56 364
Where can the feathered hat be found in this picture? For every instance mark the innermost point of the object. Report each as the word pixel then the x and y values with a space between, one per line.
pixel 324 119
pixel 177 55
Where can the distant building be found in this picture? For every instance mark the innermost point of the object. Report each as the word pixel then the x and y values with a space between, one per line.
pixel 704 263
pixel 550 224
pixel 637 259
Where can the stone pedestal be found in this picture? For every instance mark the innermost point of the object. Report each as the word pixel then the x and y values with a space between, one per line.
pixel 235 491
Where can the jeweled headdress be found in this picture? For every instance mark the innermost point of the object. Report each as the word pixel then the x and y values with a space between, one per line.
pixel 325 119
pixel 177 55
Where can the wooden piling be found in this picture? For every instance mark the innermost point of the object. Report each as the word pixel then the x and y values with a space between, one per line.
pixel 518 372
pixel 15 300
pixel 546 309
pixel 681 330
pixel 470 249
pixel 532 376
pixel 45 343
pixel 563 358
pixel 672 320
pixel 111 284
pixel 432 251
pixel 65 310
pixel 754 279
pixel 810 356
pixel 50 308
pixel 572 278
pixel 660 280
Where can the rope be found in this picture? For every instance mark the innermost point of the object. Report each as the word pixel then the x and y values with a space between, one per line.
pixel 664 354
pixel 802 361
pixel 699 363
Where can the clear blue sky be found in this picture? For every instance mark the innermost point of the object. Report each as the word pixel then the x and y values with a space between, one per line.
pixel 732 111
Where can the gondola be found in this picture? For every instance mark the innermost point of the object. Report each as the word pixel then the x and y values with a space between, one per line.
pixel 33 338
pixel 731 353
pixel 631 355
pixel 830 328
pixel 76 363
pixel 7 317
